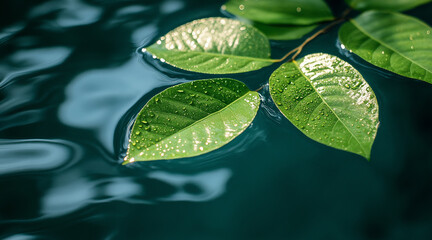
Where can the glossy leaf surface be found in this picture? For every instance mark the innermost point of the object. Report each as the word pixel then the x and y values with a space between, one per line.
pixel 284 32
pixel 328 100
pixel 389 5
pixel 192 118
pixel 303 12
pixel 214 45
pixel 393 41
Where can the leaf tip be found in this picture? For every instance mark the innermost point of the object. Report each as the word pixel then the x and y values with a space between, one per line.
pixel 126 160
pixel 367 156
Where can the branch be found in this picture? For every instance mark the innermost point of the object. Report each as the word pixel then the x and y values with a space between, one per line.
pixel 298 49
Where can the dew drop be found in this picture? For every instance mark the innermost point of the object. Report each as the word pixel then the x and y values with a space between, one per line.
pixel 241 7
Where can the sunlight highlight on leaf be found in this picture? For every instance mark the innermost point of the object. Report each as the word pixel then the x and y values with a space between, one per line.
pixel 191 119
pixel 214 45
pixel 393 41
pixel 328 100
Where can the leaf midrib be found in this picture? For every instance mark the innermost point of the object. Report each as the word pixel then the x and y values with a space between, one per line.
pixel 387 46
pixel 331 109
pixel 200 120
pixel 215 54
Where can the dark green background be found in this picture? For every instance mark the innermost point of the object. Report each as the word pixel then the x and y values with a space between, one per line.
pixel 72 80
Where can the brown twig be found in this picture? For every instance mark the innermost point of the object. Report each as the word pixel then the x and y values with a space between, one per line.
pixel 298 49
pixel 286 55
pixel 259 88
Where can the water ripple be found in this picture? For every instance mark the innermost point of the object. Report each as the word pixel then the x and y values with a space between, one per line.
pixel 67 196
pixel 94 100
pixel 20 236
pixel 24 62
pixel 34 156
pixel 8 32
pixel 70 13
pixel 204 186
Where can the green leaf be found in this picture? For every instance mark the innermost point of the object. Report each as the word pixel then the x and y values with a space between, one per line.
pixel 328 100
pixel 393 41
pixel 284 32
pixel 192 118
pixel 389 5
pixel 214 45
pixel 303 12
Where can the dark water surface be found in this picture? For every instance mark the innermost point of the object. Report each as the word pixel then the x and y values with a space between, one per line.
pixel 71 81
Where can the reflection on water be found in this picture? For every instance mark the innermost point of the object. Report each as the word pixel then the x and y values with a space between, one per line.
pixel 26 156
pixel 21 237
pixel 97 99
pixel 144 35
pixel 196 188
pixel 28 61
pixel 8 32
pixel 69 13
pixel 268 106
pixel 69 196
pixel 171 6
pixel 72 191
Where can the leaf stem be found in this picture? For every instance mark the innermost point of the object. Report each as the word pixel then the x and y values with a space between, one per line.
pixel 259 88
pixel 300 48
pixel 296 51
